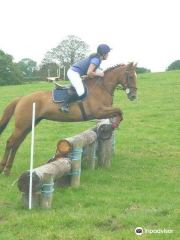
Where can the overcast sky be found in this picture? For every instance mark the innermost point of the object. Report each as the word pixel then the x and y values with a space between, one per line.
pixel 143 31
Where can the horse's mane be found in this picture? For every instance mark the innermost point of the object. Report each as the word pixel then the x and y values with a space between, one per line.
pixel 106 71
pixel 112 68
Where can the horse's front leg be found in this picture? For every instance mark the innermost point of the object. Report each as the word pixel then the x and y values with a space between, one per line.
pixel 110 112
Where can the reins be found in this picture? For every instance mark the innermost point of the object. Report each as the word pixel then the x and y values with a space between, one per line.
pixel 103 86
pixel 80 104
pixel 95 85
pixel 127 86
pixel 107 89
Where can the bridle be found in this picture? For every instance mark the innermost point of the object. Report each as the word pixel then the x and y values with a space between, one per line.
pixel 127 86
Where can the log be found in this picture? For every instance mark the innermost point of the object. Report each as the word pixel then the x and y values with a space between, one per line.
pixel 104 132
pixel 104 129
pixel 66 145
pixel 104 152
pixel 57 169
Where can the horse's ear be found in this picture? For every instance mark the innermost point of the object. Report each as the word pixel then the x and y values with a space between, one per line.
pixel 130 64
pixel 135 65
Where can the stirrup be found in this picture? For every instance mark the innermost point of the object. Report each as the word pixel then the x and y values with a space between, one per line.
pixel 64 109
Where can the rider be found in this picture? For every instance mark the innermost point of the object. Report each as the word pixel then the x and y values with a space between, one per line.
pixel 86 66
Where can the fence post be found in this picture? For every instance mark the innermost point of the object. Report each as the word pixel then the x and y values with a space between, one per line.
pixel 76 162
pixel 104 132
pixel 91 156
pixel 47 191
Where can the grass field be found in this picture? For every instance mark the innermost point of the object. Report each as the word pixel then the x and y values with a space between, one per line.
pixel 140 189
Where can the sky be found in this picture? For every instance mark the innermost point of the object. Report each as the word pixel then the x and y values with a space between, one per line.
pixel 143 31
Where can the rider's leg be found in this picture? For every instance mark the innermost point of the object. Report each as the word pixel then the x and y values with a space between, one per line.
pixel 72 98
pixel 76 81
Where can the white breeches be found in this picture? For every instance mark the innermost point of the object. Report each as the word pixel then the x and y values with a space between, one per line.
pixel 76 81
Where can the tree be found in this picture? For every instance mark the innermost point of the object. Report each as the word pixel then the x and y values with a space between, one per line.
pixel 69 50
pixel 142 70
pixel 174 66
pixel 43 70
pixel 27 66
pixel 9 73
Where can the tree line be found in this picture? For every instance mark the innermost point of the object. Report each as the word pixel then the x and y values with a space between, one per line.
pixel 68 51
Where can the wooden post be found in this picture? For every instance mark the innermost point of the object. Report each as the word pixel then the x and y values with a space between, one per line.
pixel 104 152
pixel 47 191
pixel 35 199
pixel 91 156
pixel 76 162
pixel 104 132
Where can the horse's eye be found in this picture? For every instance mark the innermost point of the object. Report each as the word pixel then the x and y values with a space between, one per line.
pixel 131 78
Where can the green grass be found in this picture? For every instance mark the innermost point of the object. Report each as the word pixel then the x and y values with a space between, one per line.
pixel 140 189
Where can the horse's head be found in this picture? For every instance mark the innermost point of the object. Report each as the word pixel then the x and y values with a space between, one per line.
pixel 128 80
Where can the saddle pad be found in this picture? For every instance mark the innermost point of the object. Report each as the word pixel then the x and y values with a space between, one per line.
pixel 60 95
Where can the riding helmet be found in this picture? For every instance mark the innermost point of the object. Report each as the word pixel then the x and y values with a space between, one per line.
pixel 103 49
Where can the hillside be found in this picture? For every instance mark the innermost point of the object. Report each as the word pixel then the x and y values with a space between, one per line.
pixel 141 189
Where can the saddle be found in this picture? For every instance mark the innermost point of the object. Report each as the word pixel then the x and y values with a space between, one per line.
pixel 62 87
pixel 61 92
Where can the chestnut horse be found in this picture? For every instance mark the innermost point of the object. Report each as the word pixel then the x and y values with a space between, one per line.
pixel 98 105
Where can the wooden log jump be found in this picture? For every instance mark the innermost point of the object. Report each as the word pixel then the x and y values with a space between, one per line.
pixel 105 139
pixel 65 166
pixel 43 179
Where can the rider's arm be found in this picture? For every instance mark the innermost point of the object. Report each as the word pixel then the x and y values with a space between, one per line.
pixel 92 73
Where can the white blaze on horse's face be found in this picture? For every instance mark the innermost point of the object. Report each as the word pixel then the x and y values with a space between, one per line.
pixel 131 80
pixel 127 91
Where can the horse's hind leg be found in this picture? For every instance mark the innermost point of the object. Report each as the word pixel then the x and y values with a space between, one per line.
pixel 14 149
pixel 19 137
pixel 5 158
pixel 10 161
pixel 12 146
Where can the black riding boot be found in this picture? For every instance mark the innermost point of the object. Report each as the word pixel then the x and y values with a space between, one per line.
pixel 65 106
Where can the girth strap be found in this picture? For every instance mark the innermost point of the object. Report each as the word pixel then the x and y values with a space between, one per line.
pixel 82 110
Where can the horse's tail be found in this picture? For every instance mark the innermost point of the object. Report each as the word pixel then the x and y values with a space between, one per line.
pixel 8 112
